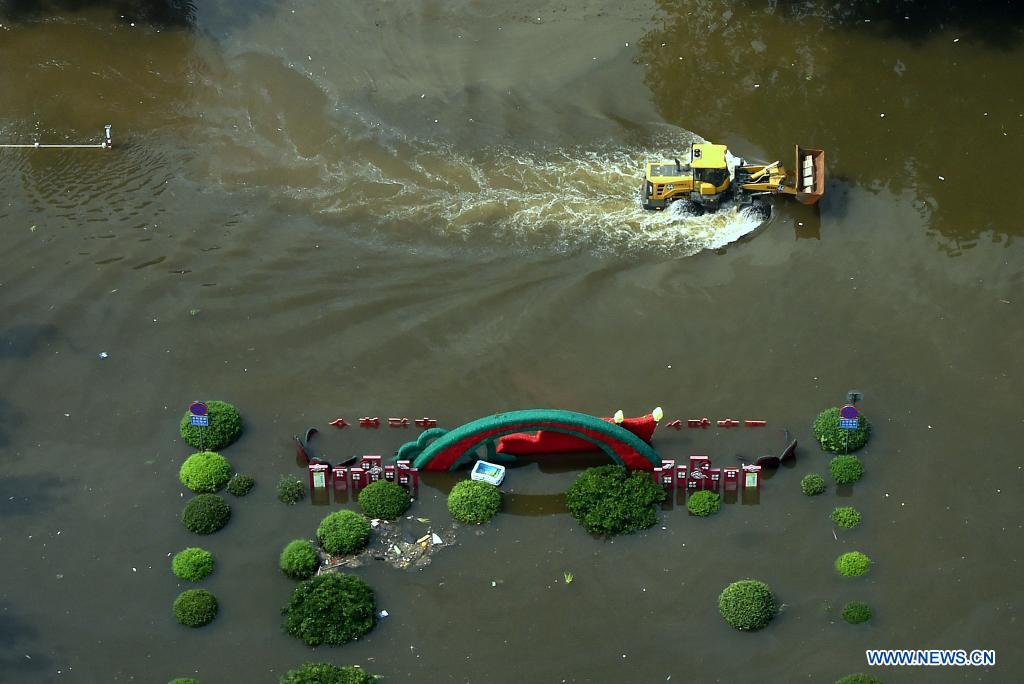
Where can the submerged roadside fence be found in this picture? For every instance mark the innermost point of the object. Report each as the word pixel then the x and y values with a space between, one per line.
pixel 106 144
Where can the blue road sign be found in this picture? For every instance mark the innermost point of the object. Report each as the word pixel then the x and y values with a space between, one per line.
pixel 849 423
pixel 201 421
pixel 197 408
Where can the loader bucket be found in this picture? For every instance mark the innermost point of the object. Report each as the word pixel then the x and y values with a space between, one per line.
pixel 810 174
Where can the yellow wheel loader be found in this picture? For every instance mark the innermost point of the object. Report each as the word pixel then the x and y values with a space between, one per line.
pixel 707 179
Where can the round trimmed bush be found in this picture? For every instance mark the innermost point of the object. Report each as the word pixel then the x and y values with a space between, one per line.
pixel 195 607
pixel 299 560
pixel 747 605
pixel 325 673
pixel 205 514
pixel 846 516
pixel 192 564
pixel 812 484
pixel 610 500
pixel 704 503
pixel 290 490
pixel 224 428
pixel 471 501
pixel 343 532
pixel 856 612
pixel 832 438
pixel 853 564
pixel 384 499
pixel 846 469
pixel 333 609
pixel 240 485
pixel 184 680
pixel 859 678
pixel 205 472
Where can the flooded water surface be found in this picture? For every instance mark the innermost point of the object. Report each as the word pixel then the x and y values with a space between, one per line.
pixel 320 209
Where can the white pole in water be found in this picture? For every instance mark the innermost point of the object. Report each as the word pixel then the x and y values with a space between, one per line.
pixel 105 145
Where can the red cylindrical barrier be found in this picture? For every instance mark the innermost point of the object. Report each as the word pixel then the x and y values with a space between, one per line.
pixel 366 421
pixel 357 477
pixel 319 474
pixel 371 463
pixel 340 474
pixel 751 477
pixel 697 422
pixel 731 479
pixel 339 423
pixel 668 473
pixel 680 476
pixel 728 422
pixel 677 424
pixel 755 423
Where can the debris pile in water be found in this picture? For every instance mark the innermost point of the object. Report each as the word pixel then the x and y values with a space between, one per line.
pixel 407 543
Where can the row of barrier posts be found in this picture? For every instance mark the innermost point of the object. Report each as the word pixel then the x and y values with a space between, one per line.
pixel 706 422
pixel 699 475
pixel 323 476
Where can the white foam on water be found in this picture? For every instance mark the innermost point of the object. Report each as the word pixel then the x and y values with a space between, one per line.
pixel 559 199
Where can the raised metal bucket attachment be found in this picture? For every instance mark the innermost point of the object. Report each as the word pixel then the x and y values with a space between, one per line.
pixel 810 174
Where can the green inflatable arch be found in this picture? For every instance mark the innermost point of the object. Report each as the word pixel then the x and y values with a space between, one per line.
pixel 437 449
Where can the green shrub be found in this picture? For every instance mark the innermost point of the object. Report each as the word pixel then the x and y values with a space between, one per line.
pixel 384 499
pixel 184 680
pixel 704 503
pixel 240 485
pixel 192 564
pixel 204 472
pixel 343 532
pixel 812 484
pixel 747 604
pixel 205 514
pixel 846 516
pixel 330 609
pixel 195 607
pixel 853 564
pixel 846 469
pixel 609 500
pixel 856 612
pixel 471 501
pixel 325 673
pixel 290 489
pixel 224 428
pixel 299 560
pixel 832 438
pixel 858 678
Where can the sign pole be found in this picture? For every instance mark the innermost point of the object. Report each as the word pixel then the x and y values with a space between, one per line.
pixel 849 418
pixel 199 416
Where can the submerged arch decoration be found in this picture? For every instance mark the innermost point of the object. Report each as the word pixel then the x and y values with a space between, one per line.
pixel 448 450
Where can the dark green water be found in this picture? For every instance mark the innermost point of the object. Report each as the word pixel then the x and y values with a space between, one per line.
pixel 279 168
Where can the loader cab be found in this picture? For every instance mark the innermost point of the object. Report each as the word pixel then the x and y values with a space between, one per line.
pixel 710 170
pixel 701 180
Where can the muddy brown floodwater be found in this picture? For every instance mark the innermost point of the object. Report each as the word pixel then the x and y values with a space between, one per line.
pixel 326 209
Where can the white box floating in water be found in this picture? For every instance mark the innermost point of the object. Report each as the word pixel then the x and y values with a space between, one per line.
pixel 491 473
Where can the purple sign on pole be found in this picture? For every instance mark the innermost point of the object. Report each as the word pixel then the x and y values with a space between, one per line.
pixel 849 412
